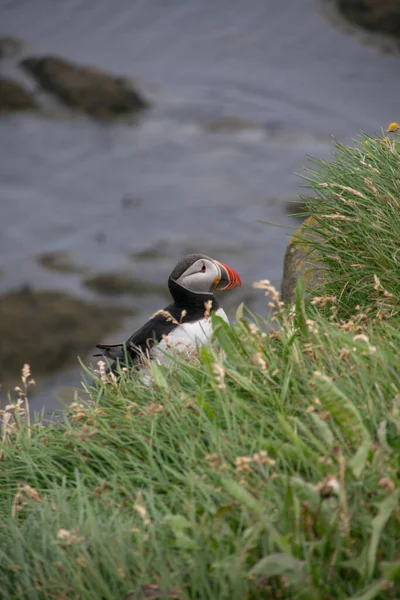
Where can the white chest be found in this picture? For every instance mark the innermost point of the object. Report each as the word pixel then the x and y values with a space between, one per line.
pixel 185 338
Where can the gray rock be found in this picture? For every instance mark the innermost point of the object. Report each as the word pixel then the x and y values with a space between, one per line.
pixel 95 92
pixel 14 97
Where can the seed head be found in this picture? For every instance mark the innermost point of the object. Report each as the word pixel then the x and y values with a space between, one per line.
pixel 328 487
pixel 393 128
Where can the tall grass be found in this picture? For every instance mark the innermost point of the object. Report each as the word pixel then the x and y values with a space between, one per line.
pixel 356 211
pixel 265 467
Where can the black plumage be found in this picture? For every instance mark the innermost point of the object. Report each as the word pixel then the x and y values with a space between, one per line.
pixel 187 307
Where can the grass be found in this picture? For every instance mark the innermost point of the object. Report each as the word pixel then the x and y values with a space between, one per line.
pixel 356 210
pixel 266 468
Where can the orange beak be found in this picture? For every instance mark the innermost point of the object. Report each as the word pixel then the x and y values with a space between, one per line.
pixel 227 278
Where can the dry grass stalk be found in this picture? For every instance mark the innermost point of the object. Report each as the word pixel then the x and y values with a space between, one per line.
pixel 140 507
pixel 219 373
pixel 207 309
pixel 18 411
pixel 167 315
pixel 270 290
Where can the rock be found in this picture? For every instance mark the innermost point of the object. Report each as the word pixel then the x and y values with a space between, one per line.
pixel 157 251
pixel 116 284
pixel 9 46
pixel 301 260
pixel 14 97
pixel 97 93
pixel 376 15
pixel 48 330
pixel 61 262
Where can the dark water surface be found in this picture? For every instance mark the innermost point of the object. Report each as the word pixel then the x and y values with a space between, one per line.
pixel 185 177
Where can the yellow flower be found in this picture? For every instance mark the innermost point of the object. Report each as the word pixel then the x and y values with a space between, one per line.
pixel 366 142
pixel 393 128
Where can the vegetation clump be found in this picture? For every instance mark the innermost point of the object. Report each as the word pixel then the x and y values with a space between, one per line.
pixel 356 221
pixel 266 467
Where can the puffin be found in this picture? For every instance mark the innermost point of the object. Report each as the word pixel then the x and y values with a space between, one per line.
pixel 183 325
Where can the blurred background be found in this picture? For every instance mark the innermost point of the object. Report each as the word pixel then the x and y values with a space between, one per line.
pixel 103 189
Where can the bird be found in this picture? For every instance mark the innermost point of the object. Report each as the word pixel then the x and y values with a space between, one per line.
pixel 183 325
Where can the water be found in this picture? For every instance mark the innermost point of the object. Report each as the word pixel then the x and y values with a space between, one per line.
pixel 279 68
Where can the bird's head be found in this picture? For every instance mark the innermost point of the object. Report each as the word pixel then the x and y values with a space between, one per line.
pixel 201 274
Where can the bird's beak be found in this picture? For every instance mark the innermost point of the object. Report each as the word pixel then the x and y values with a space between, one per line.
pixel 227 278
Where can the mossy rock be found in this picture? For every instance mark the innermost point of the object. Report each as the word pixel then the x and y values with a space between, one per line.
pixel 10 47
pixel 301 260
pixel 116 284
pixel 49 330
pixel 157 251
pixel 376 15
pixel 14 97
pixel 91 90
pixel 60 261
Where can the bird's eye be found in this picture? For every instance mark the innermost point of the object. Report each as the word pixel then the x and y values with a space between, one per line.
pixel 203 269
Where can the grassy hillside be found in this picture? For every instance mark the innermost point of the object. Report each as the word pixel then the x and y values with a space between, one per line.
pixel 267 468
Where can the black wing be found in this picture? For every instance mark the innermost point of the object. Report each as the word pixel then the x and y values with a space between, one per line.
pixel 112 351
pixel 152 332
